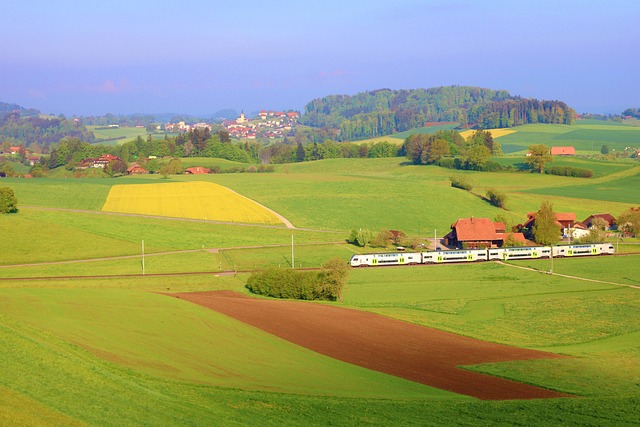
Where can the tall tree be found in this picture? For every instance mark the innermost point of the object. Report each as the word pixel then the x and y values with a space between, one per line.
pixel 545 229
pixel 538 156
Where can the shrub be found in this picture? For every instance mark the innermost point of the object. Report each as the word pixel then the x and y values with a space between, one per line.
pixel 496 198
pixel 461 181
pixel 8 200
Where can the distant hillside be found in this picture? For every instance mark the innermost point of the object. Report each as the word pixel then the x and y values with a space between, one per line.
pixel 19 125
pixel 24 112
pixel 386 111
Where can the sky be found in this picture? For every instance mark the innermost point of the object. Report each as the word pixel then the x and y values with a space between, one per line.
pixel 86 57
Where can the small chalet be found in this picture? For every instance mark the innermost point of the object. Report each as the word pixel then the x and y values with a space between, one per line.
pixel 135 169
pixel 479 233
pixel 197 170
pixel 609 219
pixel 563 151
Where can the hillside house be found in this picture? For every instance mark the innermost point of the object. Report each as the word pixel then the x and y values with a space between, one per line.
pixel 197 170
pixel 563 151
pixel 609 219
pixel 102 161
pixel 135 169
pixel 479 233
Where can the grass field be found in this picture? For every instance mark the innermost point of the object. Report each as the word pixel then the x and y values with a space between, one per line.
pixel 118 135
pixel 585 136
pixel 112 350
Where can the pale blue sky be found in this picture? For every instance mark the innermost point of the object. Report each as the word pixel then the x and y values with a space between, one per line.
pixel 197 57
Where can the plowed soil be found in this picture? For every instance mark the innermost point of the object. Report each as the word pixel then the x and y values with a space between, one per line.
pixel 417 353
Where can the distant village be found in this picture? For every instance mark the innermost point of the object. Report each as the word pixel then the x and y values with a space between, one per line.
pixel 267 125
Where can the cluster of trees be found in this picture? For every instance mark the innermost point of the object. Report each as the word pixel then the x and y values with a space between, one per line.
pixel 284 153
pixel 325 284
pixel 472 154
pixel 363 237
pixel 385 111
pixel 632 112
pixel 629 221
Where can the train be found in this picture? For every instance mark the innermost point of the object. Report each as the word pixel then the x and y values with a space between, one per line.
pixel 476 255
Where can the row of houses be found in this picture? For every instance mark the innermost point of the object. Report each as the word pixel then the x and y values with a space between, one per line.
pixel 483 232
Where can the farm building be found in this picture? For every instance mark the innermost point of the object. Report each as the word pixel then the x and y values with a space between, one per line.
pixel 135 169
pixel 479 233
pixel 197 170
pixel 610 220
pixel 563 151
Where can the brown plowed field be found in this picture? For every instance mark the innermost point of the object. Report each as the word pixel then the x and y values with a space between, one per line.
pixel 417 353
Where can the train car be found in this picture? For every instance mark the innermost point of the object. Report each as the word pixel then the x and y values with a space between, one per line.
pixel 375 260
pixel 524 252
pixel 464 255
pixel 583 250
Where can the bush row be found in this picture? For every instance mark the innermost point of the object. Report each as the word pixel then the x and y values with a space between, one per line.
pixel 325 284
pixel 570 171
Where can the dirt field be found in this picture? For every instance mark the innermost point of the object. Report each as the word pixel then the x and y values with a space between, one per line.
pixel 425 355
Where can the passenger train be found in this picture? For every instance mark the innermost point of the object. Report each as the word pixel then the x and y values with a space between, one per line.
pixel 473 255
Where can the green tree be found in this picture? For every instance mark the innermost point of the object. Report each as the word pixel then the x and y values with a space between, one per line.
pixel 382 239
pixel 545 229
pixel 538 156
pixel 116 168
pixel 605 149
pixel 8 200
pixel 439 148
pixel 360 237
pixel 476 156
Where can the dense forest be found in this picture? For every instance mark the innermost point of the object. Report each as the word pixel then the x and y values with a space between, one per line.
pixel 383 112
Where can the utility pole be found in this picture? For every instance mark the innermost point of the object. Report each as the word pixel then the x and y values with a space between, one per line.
pixel 143 257
pixel 435 240
pixel 551 272
pixel 293 259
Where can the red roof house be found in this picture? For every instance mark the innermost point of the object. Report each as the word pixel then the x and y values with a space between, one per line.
pixel 197 170
pixel 563 151
pixel 135 169
pixel 479 233
pixel 611 221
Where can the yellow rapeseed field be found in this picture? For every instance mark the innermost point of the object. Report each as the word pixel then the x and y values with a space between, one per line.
pixel 198 200
pixel 495 133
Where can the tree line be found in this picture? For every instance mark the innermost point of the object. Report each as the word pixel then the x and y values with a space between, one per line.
pixel 386 111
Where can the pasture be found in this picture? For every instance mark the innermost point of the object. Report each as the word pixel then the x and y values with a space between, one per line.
pixel 586 136
pixel 116 136
pixel 100 350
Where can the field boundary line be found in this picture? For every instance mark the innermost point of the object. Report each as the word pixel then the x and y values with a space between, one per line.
pixel 171 218
pixel 568 276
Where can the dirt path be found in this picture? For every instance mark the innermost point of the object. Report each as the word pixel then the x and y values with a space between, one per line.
pixel 425 355
pixel 568 276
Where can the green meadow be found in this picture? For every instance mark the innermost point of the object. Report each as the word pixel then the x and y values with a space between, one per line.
pixel 115 350
pixel 587 136
pixel 117 136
